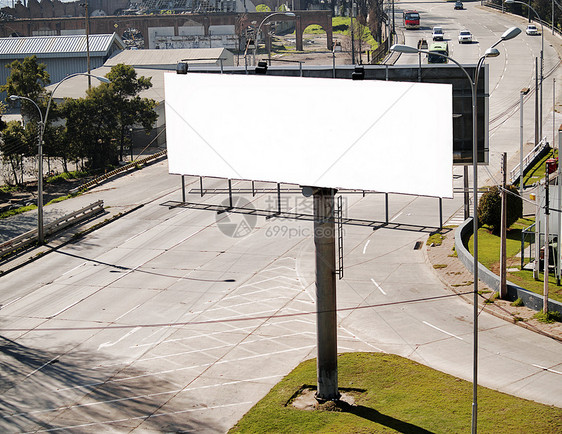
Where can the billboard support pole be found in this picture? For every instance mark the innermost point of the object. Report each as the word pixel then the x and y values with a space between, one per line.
pixel 326 318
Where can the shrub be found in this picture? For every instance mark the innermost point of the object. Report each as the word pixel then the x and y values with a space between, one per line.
pixel 489 208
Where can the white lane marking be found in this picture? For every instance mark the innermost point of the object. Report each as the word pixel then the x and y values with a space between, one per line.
pixel 67 307
pixel 356 338
pixel 126 335
pixel 204 335
pixel 7 304
pixel 41 367
pixel 145 417
pixel 71 270
pixel 365 247
pixel 148 395
pixel 129 311
pixel 377 285
pixel 443 331
pixel 170 371
pixel 547 369
pixel 396 216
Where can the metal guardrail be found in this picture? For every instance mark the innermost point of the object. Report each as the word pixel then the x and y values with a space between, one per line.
pixel 499 7
pixel 100 179
pixel 59 224
pixel 528 160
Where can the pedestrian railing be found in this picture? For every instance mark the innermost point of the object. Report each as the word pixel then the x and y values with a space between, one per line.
pixel 529 160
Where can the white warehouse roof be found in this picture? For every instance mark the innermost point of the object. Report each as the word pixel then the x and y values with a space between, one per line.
pixel 58 46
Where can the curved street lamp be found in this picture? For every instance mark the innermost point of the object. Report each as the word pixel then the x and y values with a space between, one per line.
pixel 42 125
pixel 490 52
pixel 287 14
pixel 510 2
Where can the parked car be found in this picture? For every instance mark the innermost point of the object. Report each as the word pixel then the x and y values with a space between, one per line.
pixel 459 5
pixel 532 30
pixel 438 34
pixel 465 36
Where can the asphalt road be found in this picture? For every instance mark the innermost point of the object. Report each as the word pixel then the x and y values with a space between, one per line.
pixel 165 321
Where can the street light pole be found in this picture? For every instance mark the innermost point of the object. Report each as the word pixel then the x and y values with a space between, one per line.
pixel 490 52
pixel 256 39
pixel 40 235
pixel 42 126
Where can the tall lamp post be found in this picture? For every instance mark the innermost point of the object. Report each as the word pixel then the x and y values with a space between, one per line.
pixel 42 125
pixel 287 14
pixel 490 52
pixel 40 235
pixel 510 2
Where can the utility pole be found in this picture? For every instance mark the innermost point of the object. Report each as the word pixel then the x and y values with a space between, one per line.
pixel 546 238
pixel 88 43
pixel 326 318
pixel 503 230
pixel 537 138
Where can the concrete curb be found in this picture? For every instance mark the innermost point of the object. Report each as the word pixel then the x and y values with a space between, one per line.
pixel 530 299
pixel 494 309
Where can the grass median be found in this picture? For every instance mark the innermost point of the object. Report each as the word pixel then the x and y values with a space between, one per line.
pixel 394 394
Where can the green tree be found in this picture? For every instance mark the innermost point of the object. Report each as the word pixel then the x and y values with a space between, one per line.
pixel 98 124
pixel 28 79
pixel 489 207
pixel 129 107
pixel 91 126
pixel 263 8
pixel 14 147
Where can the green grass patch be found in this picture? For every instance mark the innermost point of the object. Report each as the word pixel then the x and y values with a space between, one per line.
pixel 439 266
pixel 17 211
pixel 399 395
pixel 8 188
pixel 548 317
pixel 435 238
pixel 537 172
pixel 489 256
pixel 61 177
pixel 517 303
pixel 525 279
pixel 489 246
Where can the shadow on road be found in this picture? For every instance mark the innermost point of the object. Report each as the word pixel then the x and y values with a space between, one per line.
pixel 42 389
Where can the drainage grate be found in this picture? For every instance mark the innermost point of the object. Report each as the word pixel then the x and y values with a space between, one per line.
pixel 418 245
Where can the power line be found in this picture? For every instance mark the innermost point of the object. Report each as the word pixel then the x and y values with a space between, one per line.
pixel 228 320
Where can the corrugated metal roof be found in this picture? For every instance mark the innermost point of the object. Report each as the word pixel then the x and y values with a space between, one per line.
pixel 66 45
pixel 170 56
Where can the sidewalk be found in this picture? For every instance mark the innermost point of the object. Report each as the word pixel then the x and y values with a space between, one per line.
pixel 457 278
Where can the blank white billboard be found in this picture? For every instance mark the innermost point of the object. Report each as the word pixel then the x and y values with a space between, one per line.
pixel 369 135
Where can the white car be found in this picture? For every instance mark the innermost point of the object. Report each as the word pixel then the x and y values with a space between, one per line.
pixel 438 34
pixel 465 36
pixel 531 30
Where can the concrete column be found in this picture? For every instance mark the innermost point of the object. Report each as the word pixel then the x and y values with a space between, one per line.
pixel 298 34
pixel 326 318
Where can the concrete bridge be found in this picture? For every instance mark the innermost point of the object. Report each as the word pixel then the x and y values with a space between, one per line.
pixel 120 23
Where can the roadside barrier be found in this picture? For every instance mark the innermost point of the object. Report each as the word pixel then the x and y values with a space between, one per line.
pixel 106 176
pixel 530 299
pixel 58 225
